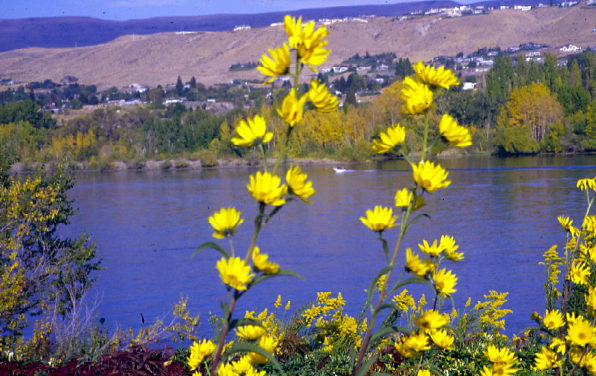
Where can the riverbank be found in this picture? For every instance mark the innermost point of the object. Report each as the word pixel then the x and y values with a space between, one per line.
pixel 172 164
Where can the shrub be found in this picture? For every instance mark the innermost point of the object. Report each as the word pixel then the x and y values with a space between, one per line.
pixel 208 158
pixel 515 140
pixel 181 164
pixel 40 271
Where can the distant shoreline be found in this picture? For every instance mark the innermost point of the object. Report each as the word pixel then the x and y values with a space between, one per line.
pixel 176 164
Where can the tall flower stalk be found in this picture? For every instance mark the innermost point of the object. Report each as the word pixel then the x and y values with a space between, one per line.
pixel 428 177
pixel 270 194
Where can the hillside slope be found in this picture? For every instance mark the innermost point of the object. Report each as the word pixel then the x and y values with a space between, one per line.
pixel 161 58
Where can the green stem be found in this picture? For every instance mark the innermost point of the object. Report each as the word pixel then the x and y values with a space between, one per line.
pixel 419 364
pixel 224 333
pixel 262 149
pixel 425 135
pixel 366 340
pixel 258 224
pixel 284 147
pixel 569 260
pixel 231 245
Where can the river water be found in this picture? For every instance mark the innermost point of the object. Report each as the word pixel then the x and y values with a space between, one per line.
pixel 502 213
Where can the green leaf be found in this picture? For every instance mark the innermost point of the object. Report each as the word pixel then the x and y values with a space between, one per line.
pixel 273 212
pixel 416 219
pixel 353 356
pixel 436 370
pixel 241 322
pixel 226 309
pixel 385 248
pixel 249 347
pixel 282 272
pixel 364 367
pixel 373 285
pixel 382 332
pixel 391 305
pixel 411 281
pixel 211 245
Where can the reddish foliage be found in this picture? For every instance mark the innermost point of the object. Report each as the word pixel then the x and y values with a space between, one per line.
pixel 136 360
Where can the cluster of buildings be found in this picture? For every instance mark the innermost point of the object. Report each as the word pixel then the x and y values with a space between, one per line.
pixel 331 21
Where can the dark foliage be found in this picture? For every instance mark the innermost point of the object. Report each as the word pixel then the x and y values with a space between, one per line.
pixel 136 360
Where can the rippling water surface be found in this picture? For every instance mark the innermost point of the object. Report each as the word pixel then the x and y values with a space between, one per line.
pixel 502 213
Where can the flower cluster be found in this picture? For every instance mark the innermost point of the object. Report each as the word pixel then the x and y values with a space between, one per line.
pixel 502 360
pixel 332 326
pixel 224 222
pixel 430 330
pixel 570 334
pixel 198 352
pixel 429 326
pixel 444 281
pixel 270 195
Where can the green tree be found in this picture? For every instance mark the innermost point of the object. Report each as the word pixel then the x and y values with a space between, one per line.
pixel 533 108
pixel 40 271
pixel 403 68
pixel 575 77
pixel 533 72
pixel 199 129
pixel 550 71
pixel 26 111
pixel 521 70
pixel 179 86
pixel 510 141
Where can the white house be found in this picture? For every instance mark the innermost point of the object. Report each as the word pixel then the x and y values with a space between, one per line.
pixel 469 86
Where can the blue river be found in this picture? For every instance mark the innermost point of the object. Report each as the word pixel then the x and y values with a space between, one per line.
pixel 502 213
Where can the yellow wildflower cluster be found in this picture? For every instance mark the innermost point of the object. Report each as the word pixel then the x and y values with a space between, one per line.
pixel 333 327
pixel 552 262
pixel 404 301
pixel 309 46
pixel 491 311
pixel 584 184
pixel 444 280
pixel 578 343
pixel 430 177
pixel 234 272
pixel 224 222
pixel 198 352
pixel 417 95
pixel 430 330
pixel 322 307
pixel 267 320
pixel 380 219
pixel 502 360
pixel 241 367
pixel 394 136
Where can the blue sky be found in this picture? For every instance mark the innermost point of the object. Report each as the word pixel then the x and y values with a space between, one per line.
pixel 135 9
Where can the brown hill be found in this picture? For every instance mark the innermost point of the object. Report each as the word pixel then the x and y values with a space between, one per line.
pixel 161 58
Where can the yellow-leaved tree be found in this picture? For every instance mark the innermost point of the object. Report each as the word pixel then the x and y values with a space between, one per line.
pixel 533 107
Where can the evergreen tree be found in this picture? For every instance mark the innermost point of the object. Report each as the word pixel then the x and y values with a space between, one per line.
pixel 351 96
pixel 403 68
pixel 179 86
pixel 521 70
pixel 533 72
pixel 575 77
